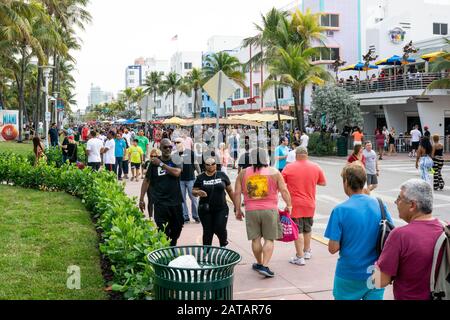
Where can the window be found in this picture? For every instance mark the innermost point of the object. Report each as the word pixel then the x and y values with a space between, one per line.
pixel 256 91
pixel 188 65
pixel 440 29
pixel 237 94
pixel 326 54
pixel 246 93
pixel 189 107
pixel 329 20
pixel 280 93
pixel 131 80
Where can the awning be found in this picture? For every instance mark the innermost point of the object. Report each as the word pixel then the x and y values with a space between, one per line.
pixel 430 57
pixel 384 101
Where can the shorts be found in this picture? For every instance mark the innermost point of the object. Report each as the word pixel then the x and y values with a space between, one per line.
pixel 415 145
pixel 357 143
pixel 345 289
pixel 304 224
pixel 94 165
pixel 263 224
pixel 234 154
pixel 372 179
pixel 135 165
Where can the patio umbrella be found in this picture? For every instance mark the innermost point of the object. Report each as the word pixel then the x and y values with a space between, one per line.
pixel 131 121
pixel 394 61
pixel 359 67
pixel 430 57
pixel 175 121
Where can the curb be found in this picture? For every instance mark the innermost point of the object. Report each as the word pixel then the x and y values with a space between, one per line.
pixel 320 239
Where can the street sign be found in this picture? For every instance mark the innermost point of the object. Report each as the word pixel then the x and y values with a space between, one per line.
pixel 227 88
pixel 48 116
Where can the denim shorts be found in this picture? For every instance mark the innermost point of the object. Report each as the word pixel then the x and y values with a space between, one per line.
pixel 345 289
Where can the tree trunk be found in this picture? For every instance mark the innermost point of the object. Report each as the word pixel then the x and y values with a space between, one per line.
pixel 154 105
pixel 302 110
pixel 173 105
pixel 277 105
pixel 38 100
pixel 195 103
pixel 296 106
pixel 20 82
pixel 2 99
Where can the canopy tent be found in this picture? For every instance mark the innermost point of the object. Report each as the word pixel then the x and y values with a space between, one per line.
pixel 359 67
pixel 121 120
pixel 212 121
pixel 131 121
pixel 262 117
pixel 175 121
pixel 430 57
pixel 394 61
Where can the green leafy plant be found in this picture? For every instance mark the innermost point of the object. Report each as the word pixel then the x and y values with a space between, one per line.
pixel 127 237
pixel 321 145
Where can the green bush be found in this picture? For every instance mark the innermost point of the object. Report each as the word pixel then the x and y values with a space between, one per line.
pixel 127 237
pixel 321 145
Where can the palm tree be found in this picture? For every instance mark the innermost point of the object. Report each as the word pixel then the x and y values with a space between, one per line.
pixel 231 67
pixel 271 36
pixel 172 84
pixel 194 82
pixel 441 64
pixel 139 94
pixel 128 95
pixel 295 70
pixel 152 86
pixel 307 29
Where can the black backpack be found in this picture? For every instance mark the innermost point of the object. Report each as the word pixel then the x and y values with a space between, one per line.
pixel 385 228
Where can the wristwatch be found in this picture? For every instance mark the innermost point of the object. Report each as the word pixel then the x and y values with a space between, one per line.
pixel 161 164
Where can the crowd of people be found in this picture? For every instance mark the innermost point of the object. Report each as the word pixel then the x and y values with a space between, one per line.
pixel 173 168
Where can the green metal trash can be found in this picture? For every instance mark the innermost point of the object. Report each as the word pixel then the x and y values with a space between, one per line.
pixel 342 147
pixel 213 281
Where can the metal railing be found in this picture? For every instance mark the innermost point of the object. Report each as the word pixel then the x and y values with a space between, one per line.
pixel 411 81
pixel 402 144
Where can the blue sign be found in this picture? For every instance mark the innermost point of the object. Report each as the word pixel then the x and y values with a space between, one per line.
pixel 9 118
pixel 60 104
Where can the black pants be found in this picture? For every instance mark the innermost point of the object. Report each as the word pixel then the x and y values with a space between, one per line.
pixel 173 217
pixel 438 165
pixel 94 165
pixel 214 222
pixel 110 167
pixel 119 167
pixel 125 166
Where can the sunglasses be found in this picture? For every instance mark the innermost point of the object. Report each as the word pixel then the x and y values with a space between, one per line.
pixel 178 142
pixel 168 147
pixel 210 164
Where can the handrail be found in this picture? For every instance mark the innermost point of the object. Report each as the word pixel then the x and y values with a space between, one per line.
pixel 411 81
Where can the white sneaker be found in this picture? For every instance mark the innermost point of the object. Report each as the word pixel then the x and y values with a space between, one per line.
pixel 308 255
pixel 298 261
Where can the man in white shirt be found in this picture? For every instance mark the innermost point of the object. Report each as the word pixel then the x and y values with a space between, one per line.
pixel 292 156
pixel 372 168
pixel 93 149
pixel 416 135
pixel 109 152
pixel 305 140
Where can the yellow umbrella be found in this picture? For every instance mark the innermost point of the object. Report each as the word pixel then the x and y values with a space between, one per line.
pixel 175 121
pixel 430 57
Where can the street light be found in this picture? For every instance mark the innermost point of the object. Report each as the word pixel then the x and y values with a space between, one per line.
pixel 46 71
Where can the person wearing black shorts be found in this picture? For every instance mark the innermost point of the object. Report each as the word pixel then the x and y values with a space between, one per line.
pixel 163 175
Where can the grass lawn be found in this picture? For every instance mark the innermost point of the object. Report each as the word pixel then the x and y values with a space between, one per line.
pixel 18 148
pixel 41 235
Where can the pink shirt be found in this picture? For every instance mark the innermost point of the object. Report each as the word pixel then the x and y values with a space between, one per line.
pixel 408 256
pixel 301 178
pixel 260 189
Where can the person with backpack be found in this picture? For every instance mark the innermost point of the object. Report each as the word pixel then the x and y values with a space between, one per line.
pixel 408 254
pixel 353 231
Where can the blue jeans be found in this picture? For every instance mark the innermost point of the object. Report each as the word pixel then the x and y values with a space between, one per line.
pixel 345 289
pixel 188 186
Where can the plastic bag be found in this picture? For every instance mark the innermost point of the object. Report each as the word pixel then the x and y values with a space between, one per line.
pixel 189 262
pixel 290 229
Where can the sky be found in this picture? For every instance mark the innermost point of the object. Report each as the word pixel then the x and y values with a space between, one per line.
pixel 122 31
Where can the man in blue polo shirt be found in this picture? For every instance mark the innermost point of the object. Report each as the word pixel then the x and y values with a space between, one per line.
pixel 353 232
pixel 120 148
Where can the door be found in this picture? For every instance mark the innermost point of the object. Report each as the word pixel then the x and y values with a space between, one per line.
pixel 412 121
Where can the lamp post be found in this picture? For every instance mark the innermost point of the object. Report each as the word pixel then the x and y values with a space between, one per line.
pixel 46 72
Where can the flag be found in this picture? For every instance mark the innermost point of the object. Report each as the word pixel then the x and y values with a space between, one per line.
pixel 175 38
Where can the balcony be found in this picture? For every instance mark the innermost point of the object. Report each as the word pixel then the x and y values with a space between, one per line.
pixel 413 81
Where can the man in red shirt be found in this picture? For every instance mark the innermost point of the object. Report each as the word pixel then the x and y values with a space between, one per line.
pixel 301 178
pixel 85 133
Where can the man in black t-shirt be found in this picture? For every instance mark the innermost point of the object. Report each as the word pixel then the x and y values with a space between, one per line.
pixel 244 160
pixel 54 135
pixel 164 177
pixel 186 158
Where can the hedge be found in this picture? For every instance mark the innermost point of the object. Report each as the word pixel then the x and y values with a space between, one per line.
pixel 126 236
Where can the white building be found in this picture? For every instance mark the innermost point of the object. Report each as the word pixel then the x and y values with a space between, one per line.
pixel 224 43
pixel 98 96
pixel 133 76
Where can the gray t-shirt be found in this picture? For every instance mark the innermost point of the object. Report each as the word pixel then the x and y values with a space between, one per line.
pixel 371 161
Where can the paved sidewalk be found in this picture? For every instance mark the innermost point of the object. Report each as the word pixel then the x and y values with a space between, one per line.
pixel 311 282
